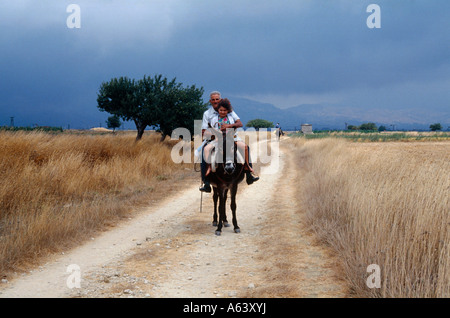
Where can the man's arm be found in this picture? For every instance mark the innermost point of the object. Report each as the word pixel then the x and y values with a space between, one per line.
pixel 205 122
pixel 237 124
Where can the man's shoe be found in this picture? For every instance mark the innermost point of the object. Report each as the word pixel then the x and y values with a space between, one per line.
pixel 206 188
pixel 251 178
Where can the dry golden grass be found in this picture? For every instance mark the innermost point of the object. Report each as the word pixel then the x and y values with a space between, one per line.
pixel 56 190
pixel 384 204
pixel 384 136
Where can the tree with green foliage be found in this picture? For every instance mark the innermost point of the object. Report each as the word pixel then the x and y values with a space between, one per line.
pixel 436 127
pixel 113 122
pixel 124 97
pixel 179 107
pixel 152 101
pixel 382 128
pixel 368 126
pixel 352 127
pixel 259 123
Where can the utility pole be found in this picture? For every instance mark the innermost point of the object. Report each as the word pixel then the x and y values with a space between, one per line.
pixel 11 124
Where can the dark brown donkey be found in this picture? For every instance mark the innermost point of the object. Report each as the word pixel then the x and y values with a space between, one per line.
pixel 227 171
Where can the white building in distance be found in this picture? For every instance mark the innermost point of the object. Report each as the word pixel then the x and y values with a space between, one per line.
pixel 307 129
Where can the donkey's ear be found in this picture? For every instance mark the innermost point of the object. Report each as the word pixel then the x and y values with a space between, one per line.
pixel 230 131
pixel 230 135
pixel 215 131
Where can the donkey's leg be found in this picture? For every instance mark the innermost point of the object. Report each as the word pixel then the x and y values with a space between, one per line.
pixel 233 208
pixel 224 219
pixel 215 197
pixel 222 202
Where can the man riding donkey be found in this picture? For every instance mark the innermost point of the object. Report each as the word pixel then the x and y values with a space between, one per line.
pixel 227 118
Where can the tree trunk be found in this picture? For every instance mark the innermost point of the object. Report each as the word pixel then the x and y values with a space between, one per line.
pixel 140 128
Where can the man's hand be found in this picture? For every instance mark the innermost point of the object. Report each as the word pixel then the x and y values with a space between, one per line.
pixel 224 127
pixel 236 125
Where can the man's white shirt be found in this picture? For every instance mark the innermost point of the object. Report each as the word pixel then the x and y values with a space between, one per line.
pixel 210 115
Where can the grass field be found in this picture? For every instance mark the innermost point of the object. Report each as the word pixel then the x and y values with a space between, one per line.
pixel 58 189
pixel 360 136
pixel 385 204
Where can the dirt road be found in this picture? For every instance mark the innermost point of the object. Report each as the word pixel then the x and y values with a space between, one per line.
pixel 170 250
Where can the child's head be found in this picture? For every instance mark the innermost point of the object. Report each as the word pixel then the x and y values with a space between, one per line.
pixel 224 107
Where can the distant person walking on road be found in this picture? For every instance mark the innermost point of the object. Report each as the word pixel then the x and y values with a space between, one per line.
pixel 279 131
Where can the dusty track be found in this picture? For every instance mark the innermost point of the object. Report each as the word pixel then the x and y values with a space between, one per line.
pixel 170 250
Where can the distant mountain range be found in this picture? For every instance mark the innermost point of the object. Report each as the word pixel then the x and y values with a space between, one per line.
pixel 328 116
pixel 320 116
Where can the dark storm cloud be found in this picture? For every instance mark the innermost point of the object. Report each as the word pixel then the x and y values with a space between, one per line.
pixel 305 50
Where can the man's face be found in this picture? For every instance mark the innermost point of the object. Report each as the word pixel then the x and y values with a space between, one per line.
pixel 214 100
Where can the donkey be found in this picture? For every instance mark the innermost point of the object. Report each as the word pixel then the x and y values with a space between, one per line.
pixel 227 171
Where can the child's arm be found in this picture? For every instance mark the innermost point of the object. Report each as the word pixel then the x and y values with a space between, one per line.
pixel 237 124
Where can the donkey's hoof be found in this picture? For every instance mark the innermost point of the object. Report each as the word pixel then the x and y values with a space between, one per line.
pixel 218 233
pixel 226 224
pixel 237 230
pixel 214 223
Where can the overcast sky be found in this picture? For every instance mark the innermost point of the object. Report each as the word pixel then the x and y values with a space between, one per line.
pixel 281 52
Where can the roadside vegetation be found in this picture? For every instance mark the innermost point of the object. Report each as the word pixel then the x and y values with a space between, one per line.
pixel 37 128
pixel 381 203
pixel 58 189
pixel 376 136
